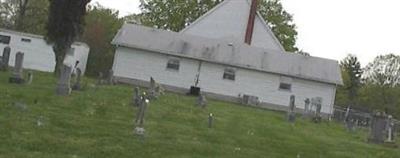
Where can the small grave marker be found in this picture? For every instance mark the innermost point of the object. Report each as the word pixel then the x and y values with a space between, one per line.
pixel 5 58
pixel 291 112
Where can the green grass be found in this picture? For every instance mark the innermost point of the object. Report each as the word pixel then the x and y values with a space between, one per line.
pixel 98 122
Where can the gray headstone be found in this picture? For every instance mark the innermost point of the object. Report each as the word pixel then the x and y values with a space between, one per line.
pixel 210 120
pixel 30 77
pixel 63 85
pixel 390 129
pixel 306 111
pixel 141 111
pixel 110 77
pixel 291 112
pixel 152 89
pixel 317 103
pixel 202 101
pixel 377 134
pixel 77 84
pixel 5 59
pixel 17 75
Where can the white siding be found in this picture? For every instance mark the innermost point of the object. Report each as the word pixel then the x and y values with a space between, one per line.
pixel 141 65
pixel 38 55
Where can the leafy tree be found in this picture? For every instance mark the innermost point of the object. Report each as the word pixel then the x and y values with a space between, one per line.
pixel 382 77
pixel 177 14
pixel 101 26
pixel 65 25
pixel 24 15
pixel 351 72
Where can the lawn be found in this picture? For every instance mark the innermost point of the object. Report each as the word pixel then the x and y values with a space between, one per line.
pixel 98 122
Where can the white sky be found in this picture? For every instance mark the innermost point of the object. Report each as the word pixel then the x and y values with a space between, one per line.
pixel 331 28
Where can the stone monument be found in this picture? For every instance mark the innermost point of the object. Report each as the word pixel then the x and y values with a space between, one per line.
pixel 77 85
pixel 5 59
pixel 17 75
pixel 291 115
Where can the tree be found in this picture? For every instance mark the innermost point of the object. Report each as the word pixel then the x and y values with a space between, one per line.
pixel 101 26
pixel 351 73
pixel 175 15
pixel 13 15
pixel 382 77
pixel 281 23
pixel 65 25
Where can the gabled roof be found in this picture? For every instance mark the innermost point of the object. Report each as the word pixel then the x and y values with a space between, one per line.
pixel 237 54
pixel 228 20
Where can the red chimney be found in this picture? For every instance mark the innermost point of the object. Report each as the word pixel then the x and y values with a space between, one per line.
pixel 250 23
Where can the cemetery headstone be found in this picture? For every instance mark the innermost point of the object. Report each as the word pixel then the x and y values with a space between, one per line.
pixel 30 77
pixel 77 84
pixel 202 101
pixel 17 75
pixel 152 89
pixel 317 102
pixel 110 77
pixel 377 134
pixel 142 110
pixel 306 111
pixel 291 112
pixel 100 80
pixel 5 59
pixel 63 85
pixel 210 120
pixel 390 129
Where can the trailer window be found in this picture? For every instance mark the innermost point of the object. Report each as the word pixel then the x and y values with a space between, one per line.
pixel 5 39
pixel 26 40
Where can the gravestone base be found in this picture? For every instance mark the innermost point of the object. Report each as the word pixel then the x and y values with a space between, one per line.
pixel 63 90
pixel 16 80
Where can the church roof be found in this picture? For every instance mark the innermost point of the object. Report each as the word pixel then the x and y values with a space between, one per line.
pixel 226 52
pixel 228 21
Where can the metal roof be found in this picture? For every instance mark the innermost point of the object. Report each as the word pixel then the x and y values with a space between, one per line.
pixel 237 54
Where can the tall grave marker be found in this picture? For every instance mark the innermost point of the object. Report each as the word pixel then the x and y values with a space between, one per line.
pixel 17 75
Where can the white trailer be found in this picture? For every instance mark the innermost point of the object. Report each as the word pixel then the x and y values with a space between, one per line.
pixel 38 55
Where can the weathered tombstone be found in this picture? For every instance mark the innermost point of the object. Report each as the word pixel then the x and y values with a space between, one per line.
pixel 141 111
pixel 110 77
pixel 210 120
pixel 390 129
pixel 152 89
pixel 306 107
pixel 5 59
pixel 377 133
pixel 291 112
pixel 317 102
pixel 77 84
pixel 202 101
pixel 30 77
pixel 136 97
pixel 63 85
pixel 17 75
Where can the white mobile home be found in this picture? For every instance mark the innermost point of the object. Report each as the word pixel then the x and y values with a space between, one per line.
pixel 223 66
pixel 38 54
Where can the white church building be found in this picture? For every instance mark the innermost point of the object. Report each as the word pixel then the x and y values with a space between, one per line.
pixel 229 52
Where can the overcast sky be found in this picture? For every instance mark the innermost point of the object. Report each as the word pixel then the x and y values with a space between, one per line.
pixel 331 28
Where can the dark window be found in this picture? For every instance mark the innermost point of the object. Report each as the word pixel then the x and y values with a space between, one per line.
pixel 285 86
pixel 229 74
pixel 5 39
pixel 173 64
pixel 25 40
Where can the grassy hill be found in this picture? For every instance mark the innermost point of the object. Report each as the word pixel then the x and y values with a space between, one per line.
pixel 98 122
